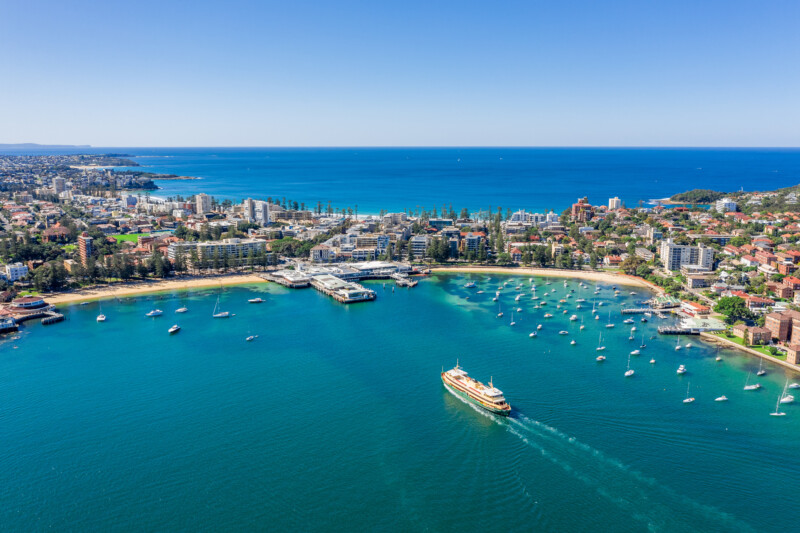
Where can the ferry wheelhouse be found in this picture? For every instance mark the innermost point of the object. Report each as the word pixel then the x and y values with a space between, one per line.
pixel 460 384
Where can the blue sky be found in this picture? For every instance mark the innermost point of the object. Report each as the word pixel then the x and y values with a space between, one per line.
pixel 434 73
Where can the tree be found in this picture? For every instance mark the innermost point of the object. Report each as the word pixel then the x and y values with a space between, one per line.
pixel 734 308
pixel 631 263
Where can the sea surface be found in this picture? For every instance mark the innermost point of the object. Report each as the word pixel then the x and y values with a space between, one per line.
pixel 474 178
pixel 335 418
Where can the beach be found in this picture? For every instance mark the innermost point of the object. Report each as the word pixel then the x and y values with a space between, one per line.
pixel 605 277
pixel 140 287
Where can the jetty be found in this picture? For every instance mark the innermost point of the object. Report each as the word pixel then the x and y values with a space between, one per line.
pixel 289 278
pixel 52 318
pixel 345 292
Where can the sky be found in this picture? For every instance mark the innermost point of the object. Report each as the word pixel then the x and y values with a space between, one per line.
pixel 430 73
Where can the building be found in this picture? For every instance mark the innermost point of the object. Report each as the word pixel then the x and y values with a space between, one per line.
pixel 674 256
pixel 780 325
pixel 725 205
pixel 249 209
pixel 202 204
pixel 614 203
pixel 694 308
pixel 756 335
pixel 582 210
pixel 15 271
pixel 321 253
pixel 440 223
pixel 85 247
pixel 419 245
pixel 236 250
pixel 59 185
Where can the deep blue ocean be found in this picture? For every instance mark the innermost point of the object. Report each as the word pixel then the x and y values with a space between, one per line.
pixel 335 418
pixel 475 178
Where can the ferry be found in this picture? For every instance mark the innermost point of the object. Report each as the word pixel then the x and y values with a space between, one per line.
pixel 460 384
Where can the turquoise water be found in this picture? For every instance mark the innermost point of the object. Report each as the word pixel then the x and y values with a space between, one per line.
pixel 335 416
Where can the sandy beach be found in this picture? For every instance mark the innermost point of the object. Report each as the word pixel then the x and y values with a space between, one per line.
pixel 605 277
pixel 141 287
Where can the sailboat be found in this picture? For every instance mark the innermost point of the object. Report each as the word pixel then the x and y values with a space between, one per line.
pixel 786 398
pixel 499 311
pixel 678 346
pixel 582 326
pixel 629 372
pixel 512 318
pixel 761 370
pixel 219 314
pixel 747 385
pixel 101 317
pixel 778 403
pixel 688 400
pixel 600 346
pixel 643 345
pixel 609 325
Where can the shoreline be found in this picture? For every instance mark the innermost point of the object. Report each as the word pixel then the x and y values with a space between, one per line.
pixel 607 277
pixel 718 340
pixel 143 287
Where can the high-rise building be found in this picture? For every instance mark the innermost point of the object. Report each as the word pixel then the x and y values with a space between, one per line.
pixel 59 185
pixel 582 210
pixel 85 247
pixel 614 203
pixel 725 205
pixel 262 213
pixel 674 256
pixel 249 209
pixel 202 203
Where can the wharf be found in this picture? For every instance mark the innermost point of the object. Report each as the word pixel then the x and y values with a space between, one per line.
pixel 641 310
pixel 289 278
pixel 342 291
pixel 676 330
pixel 52 318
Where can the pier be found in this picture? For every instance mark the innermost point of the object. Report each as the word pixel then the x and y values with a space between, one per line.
pixel 289 278
pixel 52 318
pixel 342 291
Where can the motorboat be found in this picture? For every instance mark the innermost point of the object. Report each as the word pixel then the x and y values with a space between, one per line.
pixel 154 313
pixel 174 329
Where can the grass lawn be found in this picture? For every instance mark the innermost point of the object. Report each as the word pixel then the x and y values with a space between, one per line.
pixel 781 356
pixel 70 247
pixel 131 237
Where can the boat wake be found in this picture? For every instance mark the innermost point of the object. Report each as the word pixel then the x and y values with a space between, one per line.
pixel 656 507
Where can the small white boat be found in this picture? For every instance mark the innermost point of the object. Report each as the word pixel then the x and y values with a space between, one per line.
pixel 519 309
pixel 787 399
pixel 597 317
pixel 548 315
pixel 101 318
pixel 761 370
pixel 470 285
pixel 629 372
pixel 688 399
pixel 688 345
pixel 582 326
pixel 681 369
pixel 573 318
pixel 572 342
pixel 600 346
pixel 154 312
pixel 219 314
pixel 747 385
pixel 174 329
pixel 182 310
pixel 600 358
pixel 494 299
pixel 518 297
pixel 794 386
pixel 780 401
pixel 255 301
pixel 512 319
pixel 533 334
pixel 718 358
pixel 251 338
pixel 652 361
pixel 722 398
pixel 479 292
pixel 628 321
pixel 635 352
pixel 562 332
pixel 609 325
pixel 633 329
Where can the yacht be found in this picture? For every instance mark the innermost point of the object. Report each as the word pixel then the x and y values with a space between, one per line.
pixel 548 315
pixel 518 297
pixel 563 332
pixel 778 403
pixel 628 321
pixel 251 338
pixel 154 312
pixel 499 311
pixel 533 334
pixel 722 398
pixel 786 398
pixel 600 346
pixel 600 358
pixel 652 361
pixel 688 400
pixel 794 386
pixel 219 314
pixel 573 318
pixel 457 382
pixel 747 385
pixel 681 369
pixel 174 329
pixel 539 326
pixel 470 285
pixel 761 370
pixel 101 317
pixel 255 301
pixel 635 352
pixel 629 372
pixel 182 310
pixel 512 318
